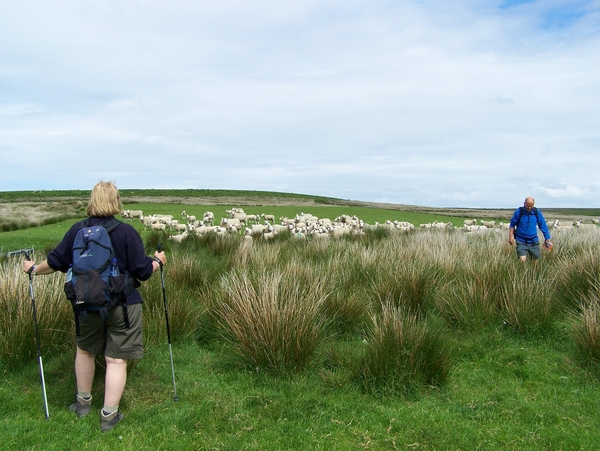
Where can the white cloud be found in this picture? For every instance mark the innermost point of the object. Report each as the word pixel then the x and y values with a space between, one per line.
pixel 424 102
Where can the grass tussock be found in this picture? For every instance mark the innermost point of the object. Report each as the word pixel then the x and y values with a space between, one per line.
pixel 527 304
pixel 402 353
pixel 586 326
pixel 272 322
pixel 55 317
pixel 276 302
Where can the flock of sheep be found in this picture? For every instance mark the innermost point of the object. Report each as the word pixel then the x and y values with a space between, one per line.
pixel 253 226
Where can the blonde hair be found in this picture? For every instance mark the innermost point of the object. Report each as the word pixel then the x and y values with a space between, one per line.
pixel 105 200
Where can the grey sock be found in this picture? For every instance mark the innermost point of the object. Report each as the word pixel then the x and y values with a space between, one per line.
pixel 85 395
pixel 107 410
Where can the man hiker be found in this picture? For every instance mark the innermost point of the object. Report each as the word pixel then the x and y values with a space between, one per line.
pixel 523 230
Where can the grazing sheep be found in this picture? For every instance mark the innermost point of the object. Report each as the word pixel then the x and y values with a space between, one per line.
pixel 325 222
pixel 338 230
pixel 268 233
pixel 226 222
pixel 259 229
pixel 178 238
pixel 475 228
pixel 180 227
pixel 135 214
pixel 158 226
pixel 441 225
pixel 489 224
pixel 470 222
pixel 286 221
pixel 165 219
pixel 243 217
pixel 556 225
pixel 280 228
pixel 208 218
pixel 268 217
pixel 147 221
pixel 581 225
pixel 231 213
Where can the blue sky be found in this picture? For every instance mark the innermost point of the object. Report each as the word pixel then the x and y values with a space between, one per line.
pixel 434 103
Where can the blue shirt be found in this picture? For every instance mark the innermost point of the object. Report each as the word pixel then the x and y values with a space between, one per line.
pixel 526 224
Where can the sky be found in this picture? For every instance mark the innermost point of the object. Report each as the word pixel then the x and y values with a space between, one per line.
pixel 442 103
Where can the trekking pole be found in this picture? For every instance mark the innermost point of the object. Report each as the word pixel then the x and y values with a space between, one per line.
pixel 162 280
pixel 37 338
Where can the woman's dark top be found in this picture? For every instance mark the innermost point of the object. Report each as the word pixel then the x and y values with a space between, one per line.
pixel 128 247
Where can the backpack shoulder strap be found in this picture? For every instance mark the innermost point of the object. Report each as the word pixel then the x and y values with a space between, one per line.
pixel 520 210
pixel 112 225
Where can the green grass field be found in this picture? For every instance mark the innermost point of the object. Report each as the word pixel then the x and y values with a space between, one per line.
pixel 424 341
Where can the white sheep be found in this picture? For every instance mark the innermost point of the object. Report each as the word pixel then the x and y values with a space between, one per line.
pixel 226 222
pixel 241 216
pixel 158 226
pixel 178 238
pixel 280 228
pixel 165 219
pixel 470 222
pixel 441 225
pixel 147 221
pixel 268 233
pixel 556 225
pixel 208 217
pixel 489 224
pixel 258 229
pixel 180 227
pixel 135 214
pixel 231 213
pixel 286 221
pixel 475 228
pixel 268 217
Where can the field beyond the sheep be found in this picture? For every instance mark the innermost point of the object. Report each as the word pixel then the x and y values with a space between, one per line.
pixel 430 340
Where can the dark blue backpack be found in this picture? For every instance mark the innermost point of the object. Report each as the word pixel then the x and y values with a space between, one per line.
pixel 94 282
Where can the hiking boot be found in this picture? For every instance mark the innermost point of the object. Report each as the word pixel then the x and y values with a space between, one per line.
pixel 110 421
pixel 81 406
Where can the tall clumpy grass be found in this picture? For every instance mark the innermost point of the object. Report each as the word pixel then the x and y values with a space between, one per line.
pixel 527 299
pixel 586 326
pixel 17 327
pixel 473 287
pixel 577 264
pixel 184 290
pixel 271 321
pixel 402 353
pixel 403 273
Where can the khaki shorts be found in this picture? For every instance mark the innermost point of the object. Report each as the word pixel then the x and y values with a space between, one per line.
pixel 113 338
